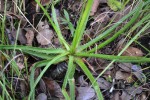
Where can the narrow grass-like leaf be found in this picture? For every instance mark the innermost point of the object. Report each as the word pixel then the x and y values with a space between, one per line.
pixel 64 92
pixel 35 49
pixel 69 74
pixel 66 15
pixel 72 88
pixel 121 31
pixel 54 25
pixel 108 31
pixel 126 46
pixel 71 69
pixel 91 78
pixel 13 63
pixel 42 73
pixel 70 25
pixel 81 26
pixel 41 55
pixel 135 37
pixel 116 58
pixel 6 92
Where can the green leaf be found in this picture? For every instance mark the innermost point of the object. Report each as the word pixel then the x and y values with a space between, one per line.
pixel 69 74
pixel 116 58
pixel 70 71
pixel 33 84
pixel 115 5
pixel 66 15
pixel 121 31
pixel 81 26
pixel 65 94
pixel 70 25
pixel 35 49
pixel 54 24
pixel 72 88
pixel 108 31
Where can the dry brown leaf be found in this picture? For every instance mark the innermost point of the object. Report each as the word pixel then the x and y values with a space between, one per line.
pixel 45 35
pixel 45 2
pixel 41 96
pixel 85 93
pixel 21 36
pixel 82 81
pixel 53 87
pixel 125 96
pixel 132 51
pixel 30 36
pixel 124 76
pixel 125 66
pixel 134 90
pixel 116 96
pixel 23 88
pixel 42 86
pixel 20 62
pixel 103 84
pixel 56 42
pixel 94 7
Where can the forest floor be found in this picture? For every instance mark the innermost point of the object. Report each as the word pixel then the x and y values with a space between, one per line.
pixel 24 24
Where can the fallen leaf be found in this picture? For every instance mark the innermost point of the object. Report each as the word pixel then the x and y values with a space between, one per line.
pixel 41 96
pixel 82 81
pixel 45 2
pixel 56 42
pixel 21 36
pixel 103 84
pixel 125 96
pixel 23 88
pixel 132 51
pixel 53 87
pixel 128 77
pixel 136 68
pixel 29 36
pixel 134 90
pixel 116 96
pixel 20 62
pixel 137 71
pixel 85 93
pixel 94 7
pixel 45 35
pixel 42 86
pixel 125 66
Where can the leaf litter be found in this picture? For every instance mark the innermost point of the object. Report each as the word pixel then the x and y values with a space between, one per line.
pixel 122 81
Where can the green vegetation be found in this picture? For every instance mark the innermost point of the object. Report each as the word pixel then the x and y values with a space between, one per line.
pixel 74 52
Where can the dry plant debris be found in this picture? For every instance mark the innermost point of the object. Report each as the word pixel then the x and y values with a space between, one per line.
pixel 121 81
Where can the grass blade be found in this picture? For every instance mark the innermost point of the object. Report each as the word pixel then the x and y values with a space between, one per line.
pixel 65 94
pixel 121 31
pixel 57 58
pixel 69 74
pixel 91 78
pixel 72 88
pixel 81 26
pixel 54 24
pixel 116 58
pixel 35 49
pixel 107 32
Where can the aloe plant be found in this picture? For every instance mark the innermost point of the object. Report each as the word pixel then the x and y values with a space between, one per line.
pixel 74 53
